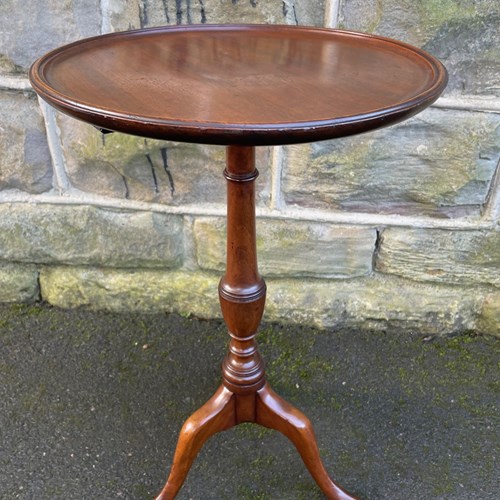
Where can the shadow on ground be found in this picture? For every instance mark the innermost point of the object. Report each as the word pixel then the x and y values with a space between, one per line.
pixel 91 405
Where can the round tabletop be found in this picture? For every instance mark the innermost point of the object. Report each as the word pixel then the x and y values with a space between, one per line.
pixel 239 84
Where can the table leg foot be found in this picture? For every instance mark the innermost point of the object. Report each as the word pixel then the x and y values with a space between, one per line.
pixel 216 415
pixel 275 413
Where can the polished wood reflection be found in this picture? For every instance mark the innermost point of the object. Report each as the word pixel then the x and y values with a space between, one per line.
pixel 243 84
pixel 244 395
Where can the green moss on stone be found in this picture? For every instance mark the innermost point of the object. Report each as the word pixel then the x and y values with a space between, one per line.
pixel 8 66
pixel 377 17
pixel 489 319
pixel 343 162
pixel 434 13
pixel 462 147
pixel 114 148
pixel 486 250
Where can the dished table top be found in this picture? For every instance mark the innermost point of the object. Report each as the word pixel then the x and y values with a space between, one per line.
pixel 239 84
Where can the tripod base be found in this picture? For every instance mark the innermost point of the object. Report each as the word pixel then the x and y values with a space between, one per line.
pixel 244 395
pixel 264 407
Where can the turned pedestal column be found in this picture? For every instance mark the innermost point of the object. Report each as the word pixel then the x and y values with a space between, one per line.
pixel 244 395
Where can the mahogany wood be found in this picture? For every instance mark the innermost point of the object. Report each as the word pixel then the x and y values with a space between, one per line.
pixel 240 86
pixel 245 84
pixel 244 395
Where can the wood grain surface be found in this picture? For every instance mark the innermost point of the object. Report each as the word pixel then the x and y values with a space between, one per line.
pixel 244 395
pixel 245 84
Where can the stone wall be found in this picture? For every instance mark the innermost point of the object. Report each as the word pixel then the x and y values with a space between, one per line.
pixel 395 228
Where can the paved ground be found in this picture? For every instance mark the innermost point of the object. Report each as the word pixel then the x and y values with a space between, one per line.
pixel 91 405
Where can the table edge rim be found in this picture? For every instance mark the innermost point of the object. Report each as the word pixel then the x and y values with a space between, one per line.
pixel 235 133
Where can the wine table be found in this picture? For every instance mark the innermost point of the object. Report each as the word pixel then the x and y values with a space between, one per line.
pixel 240 86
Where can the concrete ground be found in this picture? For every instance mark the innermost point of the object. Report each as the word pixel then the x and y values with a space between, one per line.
pixel 91 405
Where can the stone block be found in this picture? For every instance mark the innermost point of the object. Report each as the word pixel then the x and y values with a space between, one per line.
pixel 84 235
pixel 439 163
pixel 124 15
pixel 25 162
pixel 131 290
pixel 18 283
pixel 376 303
pixel 292 248
pixel 30 29
pixel 489 318
pixel 461 257
pixel 128 167
pixel 464 35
